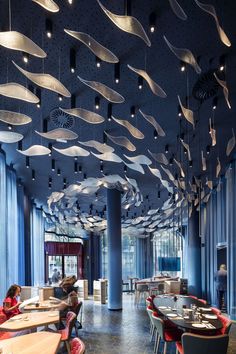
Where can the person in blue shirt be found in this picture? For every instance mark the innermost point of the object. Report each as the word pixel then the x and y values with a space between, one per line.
pixel 221 286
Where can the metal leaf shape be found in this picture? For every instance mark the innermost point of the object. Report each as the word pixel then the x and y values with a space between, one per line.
pixel 103 148
pixel 154 123
pixel 225 90
pixel 17 91
pixel 178 10
pixel 46 81
pixel 155 172
pixel 156 89
pixel 127 24
pixel 186 146
pixel 212 133
pixel 218 167
pixel 211 10
pixel 10 137
pixel 122 141
pixel 185 55
pixel 133 130
pixel 188 114
pixel 110 94
pixel 180 167
pixel 73 151
pixel 203 162
pixel 98 49
pixel 17 41
pixel 59 134
pixel 169 174
pixel 108 156
pixel 14 118
pixel 159 157
pixel 87 116
pixel 139 159
pixel 135 167
pixel 231 144
pixel 49 5
pixel 35 150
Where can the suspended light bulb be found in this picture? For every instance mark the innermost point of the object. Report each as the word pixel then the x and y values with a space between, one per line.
pixel 159 195
pixel 190 163
pixel 208 149
pixel 101 168
pixel 58 172
pixel 50 182
pixel 80 169
pixel 70 2
pixel 109 111
pixel 25 57
pixel 171 161
pixel 155 134
pixel 132 111
pixel 152 22
pixel 140 82
pixel 20 145
pixel 117 72
pixel 222 63
pixel 9 127
pixel 64 182
pixel 214 103
pixel 60 98
pixel 50 148
pixel 98 62
pixel 27 162
pixel 48 27
pixel 166 148
pixel 72 60
pixel 38 94
pixel 53 165
pixel 75 168
pixel 179 111
pixel 182 66
pixel 97 102
pixel 33 175
pixel 125 169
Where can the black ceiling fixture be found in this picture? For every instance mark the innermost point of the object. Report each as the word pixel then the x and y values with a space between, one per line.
pixel 117 72
pixel 140 82
pixel 58 172
pixel 27 161
pixel 53 165
pixel 48 27
pixel 50 148
pixel 38 94
pixel 182 66
pixel 75 167
pixel 33 175
pixel 72 60
pixel 166 148
pixel 132 111
pixel 152 22
pixel 109 111
pixel 25 57
pixel 98 62
pixel 50 182
pixel 97 102
pixel 222 63
pixel 214 103
pixel 155 134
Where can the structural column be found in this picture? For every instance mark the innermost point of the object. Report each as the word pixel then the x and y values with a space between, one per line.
pixel 193 255
pixel 114 249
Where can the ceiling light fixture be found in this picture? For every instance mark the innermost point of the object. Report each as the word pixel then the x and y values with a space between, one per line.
pixel 25 57
pixel 171 161
pixel 38 94
pixel 70 2
pixel 98 62
pixel 73 101
pixel 50 148
pixel 72 60
pixel 109 111
pixel 166 148
pixel 179 111
pixel 50 182
pixel 101 168
pixel 60 98
pixel 132 111
pixel 97 103
pixel 33 175
pixel 117 72
pixel 64 183
pixel 214 103
pixel 140 82
pixel 190 163
pixel 27 162
pixel 222 63
pixel 155 134
pixel 125 169
pixel 75 168
pixel 58 172
pixel 80 169
pixel 158 194
pixel 208 149
pixel 53 165
pixel 48 27
pixel 9 127
pixel 152 22
pixel 182 66
pixel 20 145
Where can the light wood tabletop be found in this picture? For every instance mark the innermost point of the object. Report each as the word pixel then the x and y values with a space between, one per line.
pixel 42 306
pixel 34 343
pixel 30 320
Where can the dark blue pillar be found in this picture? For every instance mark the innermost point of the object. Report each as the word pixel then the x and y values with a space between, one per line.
pixel 114 249
pixel 193 255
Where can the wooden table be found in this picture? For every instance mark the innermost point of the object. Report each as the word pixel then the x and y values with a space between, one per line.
pixel 42 306
pixel 39 342
pixel 166 304
pixel 30 320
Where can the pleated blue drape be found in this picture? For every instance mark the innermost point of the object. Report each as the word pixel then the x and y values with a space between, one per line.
pixel 37 246
pixel 3 239
pixel 144 258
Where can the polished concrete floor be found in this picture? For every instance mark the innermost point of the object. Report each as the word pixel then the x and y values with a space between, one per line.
pixel 122 332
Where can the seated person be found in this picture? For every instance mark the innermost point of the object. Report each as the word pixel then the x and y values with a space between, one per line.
pixel 10 303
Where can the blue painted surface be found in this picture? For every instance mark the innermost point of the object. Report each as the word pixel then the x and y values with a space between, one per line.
pixel 114 249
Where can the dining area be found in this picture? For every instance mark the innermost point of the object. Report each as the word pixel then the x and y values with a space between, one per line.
pixel 188 323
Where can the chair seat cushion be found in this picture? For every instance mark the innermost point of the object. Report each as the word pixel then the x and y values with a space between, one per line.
pixel 173 335
pixel 64 333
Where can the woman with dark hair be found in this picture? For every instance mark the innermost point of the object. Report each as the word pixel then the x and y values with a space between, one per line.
pixel 10 303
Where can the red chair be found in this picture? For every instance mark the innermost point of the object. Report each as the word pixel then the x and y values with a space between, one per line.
pixel 216 311
pixel 193 297
pixel 77 346
pixel 3 317
pixel 66 332
pixel 226 325
pixel 202 301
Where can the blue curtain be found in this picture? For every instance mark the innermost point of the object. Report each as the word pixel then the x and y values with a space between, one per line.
pixel 21 233
pixel 37 246
pixel 144 258
pixel 3 239
pixel 11 228
pixel 218 226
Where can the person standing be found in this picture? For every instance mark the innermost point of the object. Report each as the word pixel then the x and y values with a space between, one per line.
pixel 221 286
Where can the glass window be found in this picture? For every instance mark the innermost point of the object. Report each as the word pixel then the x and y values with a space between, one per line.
pixel 55 266
pixel 70 265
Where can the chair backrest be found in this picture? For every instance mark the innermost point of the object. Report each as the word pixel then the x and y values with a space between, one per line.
pixel 216 311
pixel 202 301
pixel 159 325
pixel 193 297
pixel 150 311
pixel 77 346
pixel 195 344
pixel 3 317
pixel 70 322
pixel 226 324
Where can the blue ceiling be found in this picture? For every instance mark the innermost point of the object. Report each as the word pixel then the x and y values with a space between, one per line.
pixel 198 33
